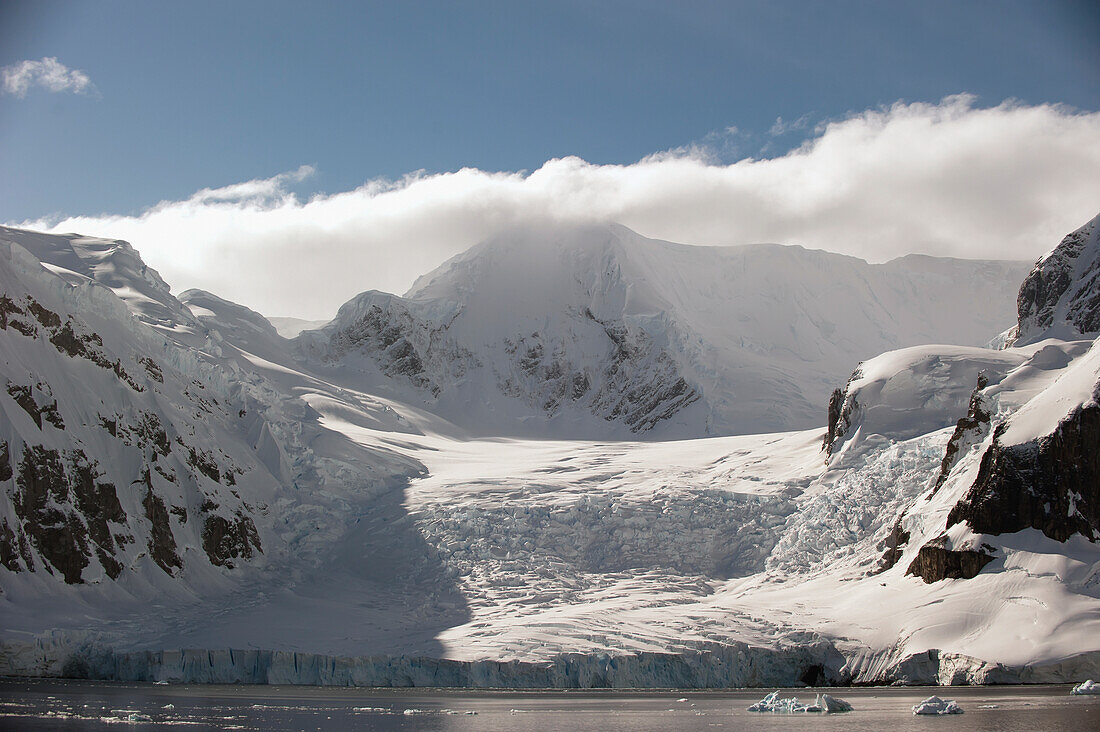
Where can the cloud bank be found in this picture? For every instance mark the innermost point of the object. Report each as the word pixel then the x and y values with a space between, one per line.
pixel 947 179
pixel 49 74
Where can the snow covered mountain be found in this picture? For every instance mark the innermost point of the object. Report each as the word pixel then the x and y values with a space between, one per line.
pixel 1061 295
pixel 139 449
pixel 343 508
pixel 596 331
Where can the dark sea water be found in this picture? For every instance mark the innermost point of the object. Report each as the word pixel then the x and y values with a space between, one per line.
pixel 80 705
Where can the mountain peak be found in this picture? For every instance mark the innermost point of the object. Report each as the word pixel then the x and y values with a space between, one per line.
pixel 1060 297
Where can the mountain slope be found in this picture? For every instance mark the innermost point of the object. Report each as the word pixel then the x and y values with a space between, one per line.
pixel 1061 295
pixel 944 532
pixel 147 460
pixel 585 330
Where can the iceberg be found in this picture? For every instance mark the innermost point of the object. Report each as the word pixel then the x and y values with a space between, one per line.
pixel 1086 687
pixel 935 705
pixel 790 705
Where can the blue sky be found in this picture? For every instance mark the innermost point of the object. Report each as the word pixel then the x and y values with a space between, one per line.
pixel 202 94
pixel 290 155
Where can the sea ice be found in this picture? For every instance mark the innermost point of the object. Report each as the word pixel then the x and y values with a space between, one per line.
pixel 935 705
pixel 790 705
pixel 1086 687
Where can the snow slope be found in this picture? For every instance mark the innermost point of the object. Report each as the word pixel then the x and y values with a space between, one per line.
pixel 395 546
pixel 559 332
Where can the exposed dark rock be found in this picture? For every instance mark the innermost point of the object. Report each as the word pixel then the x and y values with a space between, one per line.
pixel 894 547
pixel 642 383
pixel 225 540
pixel 41 406
pixel 387 335
pixel 842 424
pixel 204 462
pixel 1065 285
pixel 5 462
pixel 152 432
pixel 8 307
pixel 580 385
pixel 44 316
pixel 59 537
pixel 152 368
pixel 969 431
pixel 842 405
pixel 9 548
pixel 934 562
pixel 98 503
pixel 76 343
pixel 167 474
pixel 1051 484
pixel 836 401
pixel 162 544
pixel 111 425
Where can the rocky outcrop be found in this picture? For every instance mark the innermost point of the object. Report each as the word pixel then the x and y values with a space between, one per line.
pixel 224 540
pixel 836 401
pixel 162 543
pixel 1051 484
pixel 1063 289
pixel 641 383
pixel 893 547
pixel 65 513
pixel 843 405
pixel 403 345
pixel 28 317
pixel 969 431
pixel 935 562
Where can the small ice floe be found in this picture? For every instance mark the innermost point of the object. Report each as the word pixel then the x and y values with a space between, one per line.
pixel 126 715
pixel 790 705
pixel 1086 687
pixel 935 705
pixel 169 706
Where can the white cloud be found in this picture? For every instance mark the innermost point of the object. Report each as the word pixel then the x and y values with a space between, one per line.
pixel 49 73
pixel 944 179
pixel 782 127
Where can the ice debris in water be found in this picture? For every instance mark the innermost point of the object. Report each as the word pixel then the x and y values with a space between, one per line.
pixel 935 705
pixel 790 705
pixel 1086 687
pixel 127 715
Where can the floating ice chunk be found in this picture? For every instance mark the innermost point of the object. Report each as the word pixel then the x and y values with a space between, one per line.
pixel 935 705
pixel 1086 687
pixel 790 705
pixel 830 704
pixel 126 715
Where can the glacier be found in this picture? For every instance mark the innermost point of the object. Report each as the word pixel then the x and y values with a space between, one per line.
pixel 606 473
